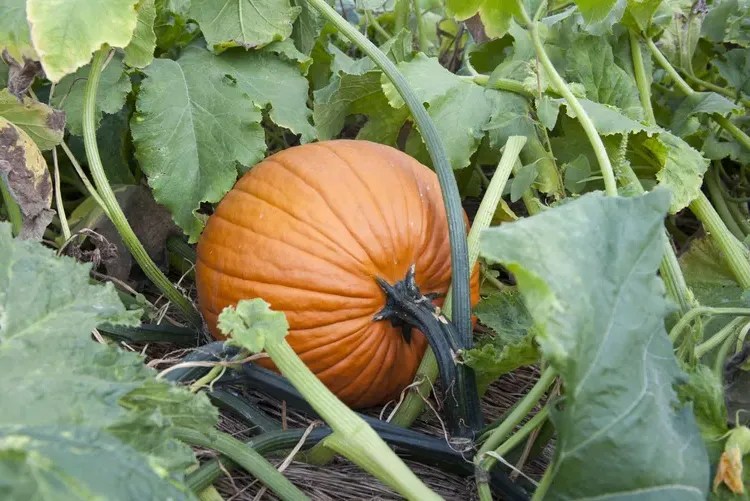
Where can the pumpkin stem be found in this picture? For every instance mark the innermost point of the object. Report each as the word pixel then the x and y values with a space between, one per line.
pixel 407 307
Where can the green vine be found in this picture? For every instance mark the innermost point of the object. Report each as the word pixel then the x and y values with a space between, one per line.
pixel 110 201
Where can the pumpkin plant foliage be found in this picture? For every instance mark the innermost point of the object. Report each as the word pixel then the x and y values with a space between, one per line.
pixel 73 408
pixel 599 312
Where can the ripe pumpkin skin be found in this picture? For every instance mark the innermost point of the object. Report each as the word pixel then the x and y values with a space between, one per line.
pixel 308 229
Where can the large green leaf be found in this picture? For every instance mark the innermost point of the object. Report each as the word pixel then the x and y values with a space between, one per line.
pixel 496 15
pixel 599 308
pixel 114 86
pixel 243 23
pixel 67 32
pixel 193 126
pixel 81 419
pixel 44 124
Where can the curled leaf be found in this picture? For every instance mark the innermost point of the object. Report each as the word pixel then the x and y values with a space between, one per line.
pixel 252 324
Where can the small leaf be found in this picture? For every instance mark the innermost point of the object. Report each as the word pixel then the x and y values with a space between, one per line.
pixel 140 51
pixel 735 69
pixel 253 325
pixel 594 11
pixel 243 23
pixel 547 112
pixel 307 26
pixel 599 308
pixel 67 32
pixel 576 174
pixel 212 127
pixel 496 15
pixel 522 181
pixel 114 86
pixel 44 124
pixel 512 345
pixel 24 173
pixel 20 77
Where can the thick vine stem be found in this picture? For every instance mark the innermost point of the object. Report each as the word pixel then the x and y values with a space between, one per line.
pixel 451 198
pixel 110 201
pixel 245 456
pixel 352 437
pixel 406 307
pixel 608 174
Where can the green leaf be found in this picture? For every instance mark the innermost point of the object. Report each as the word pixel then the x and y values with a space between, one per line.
pixel 607 119
pixel 594 11
pixel 258 75
pixel 496 15
pixel 590 61
pixel 512 345
pixel 681 168
pixel 82 418
pixel 252 324
pixel 44 124
pixel 698 103
pixel 15 36
pixel 547 112
pixel 173 27
pixel 114 87
pixel 24 173
pixel 66 33
pixel 599 308
pixel 576 173
pixel 641 12
pixel 140 51
pixel 735 69
pixel 708 275
pixel 522 181
pixel 243 23
pixel 704 390
pixel 77 462
pixel 212 126
pixel 307 26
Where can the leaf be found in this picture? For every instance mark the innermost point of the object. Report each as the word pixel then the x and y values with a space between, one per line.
pixel 512 345
pixel 243 23
pixel 735 69
pixel 173 27
pixel 607 120
pixel 258 75
pixel 114 86
pixel 140 51
pixel 20 77
pixel 697 103
pixel 599 308
pixel 681 168
pixel 590 61
pixel 547 112
pixel 44 124
pixel 76 462
pixel 15 36
pixel 522 181
pixel 211 126
pixel 24 173
pixel 496 15
pixel 66 32
pixel 576 174
pixel 307 26
pixel 594 11
pixel 253 325
pixel 704 390
pixel 641 12
pixel 82 417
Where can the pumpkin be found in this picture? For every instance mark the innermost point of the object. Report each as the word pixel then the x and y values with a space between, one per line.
pixel 309 229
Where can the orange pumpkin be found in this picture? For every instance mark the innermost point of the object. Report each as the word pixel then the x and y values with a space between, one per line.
pixel 308 229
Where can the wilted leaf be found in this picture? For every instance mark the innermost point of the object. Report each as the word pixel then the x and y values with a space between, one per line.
pixel 24 172
pixel 211 126
pixel 243 23
pixel 44 124
pixel 114 86
pixel 20 76
pixel 599 308
pixel 140 51
pixel 67 32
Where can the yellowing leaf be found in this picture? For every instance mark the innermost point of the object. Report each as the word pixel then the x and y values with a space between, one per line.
pixel 66 32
